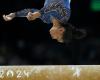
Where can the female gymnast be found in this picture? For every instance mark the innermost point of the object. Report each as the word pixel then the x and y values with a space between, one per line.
pixel 56 12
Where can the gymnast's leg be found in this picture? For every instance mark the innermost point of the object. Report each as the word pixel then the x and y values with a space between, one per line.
pixel 21 13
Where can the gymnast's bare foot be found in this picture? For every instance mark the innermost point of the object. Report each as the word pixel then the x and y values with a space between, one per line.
pixel 9 17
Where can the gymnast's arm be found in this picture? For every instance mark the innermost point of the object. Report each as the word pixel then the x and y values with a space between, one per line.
pixel 31 14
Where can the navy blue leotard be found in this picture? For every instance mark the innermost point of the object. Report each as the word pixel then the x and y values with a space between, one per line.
pixel 59 9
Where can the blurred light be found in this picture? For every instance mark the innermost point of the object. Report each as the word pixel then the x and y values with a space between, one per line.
pixel 20 44
pixel 95 5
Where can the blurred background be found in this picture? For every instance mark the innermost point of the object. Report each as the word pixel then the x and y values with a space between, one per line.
pixel 25 43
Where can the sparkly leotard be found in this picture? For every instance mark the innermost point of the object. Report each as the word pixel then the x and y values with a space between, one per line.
pixel 59 9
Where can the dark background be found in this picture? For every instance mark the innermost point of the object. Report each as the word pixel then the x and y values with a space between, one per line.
pixel 23 42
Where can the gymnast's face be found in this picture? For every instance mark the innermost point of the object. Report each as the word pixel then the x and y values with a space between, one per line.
pixel 57 32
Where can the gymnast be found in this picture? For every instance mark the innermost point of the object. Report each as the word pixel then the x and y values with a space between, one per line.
pixel 56 12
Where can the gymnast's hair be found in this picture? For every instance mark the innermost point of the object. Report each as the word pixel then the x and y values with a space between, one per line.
pixel 71 33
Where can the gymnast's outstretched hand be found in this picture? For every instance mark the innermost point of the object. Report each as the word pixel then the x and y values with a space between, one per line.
pixel 32 16
pixel 8 17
